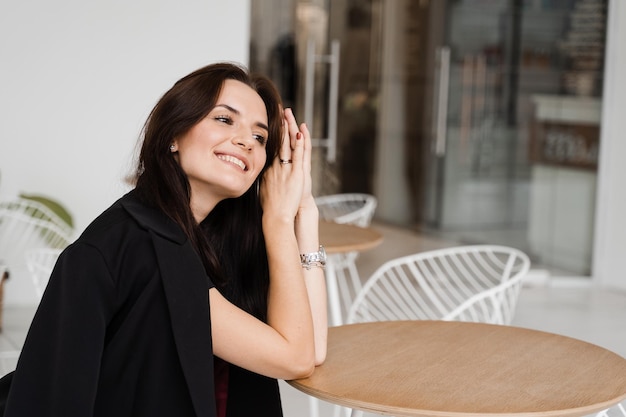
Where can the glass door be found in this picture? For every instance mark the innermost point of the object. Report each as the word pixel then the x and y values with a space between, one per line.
pixel 477 172
pixel 514 126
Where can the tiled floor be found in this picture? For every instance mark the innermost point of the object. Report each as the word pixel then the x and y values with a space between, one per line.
pixel 569 307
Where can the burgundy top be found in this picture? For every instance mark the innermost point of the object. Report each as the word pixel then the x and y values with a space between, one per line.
pixel 220 370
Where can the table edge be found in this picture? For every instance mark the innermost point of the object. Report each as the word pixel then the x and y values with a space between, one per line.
pixel 399 411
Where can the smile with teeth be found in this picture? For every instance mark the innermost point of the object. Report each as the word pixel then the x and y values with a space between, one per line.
pixel 233 160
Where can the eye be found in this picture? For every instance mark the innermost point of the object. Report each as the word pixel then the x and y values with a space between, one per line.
pixel 259 138
pixel 224 119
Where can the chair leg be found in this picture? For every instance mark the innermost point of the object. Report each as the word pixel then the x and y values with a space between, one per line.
pixel 355 279
pixel 334 301
pixel 348 282
pixel 338 411
pixel 344 291
pixel 314 407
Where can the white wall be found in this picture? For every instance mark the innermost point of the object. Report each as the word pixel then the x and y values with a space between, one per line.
pixel 77 80
pixel 609 268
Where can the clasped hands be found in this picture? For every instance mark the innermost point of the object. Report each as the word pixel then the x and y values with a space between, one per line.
pixel 286 189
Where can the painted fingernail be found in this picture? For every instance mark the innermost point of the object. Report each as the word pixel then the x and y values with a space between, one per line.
pixel 298 135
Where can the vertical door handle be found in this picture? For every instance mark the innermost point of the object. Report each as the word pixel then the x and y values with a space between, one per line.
pixel 333 99
pixel 309 82
pixel 440 102
pixel 332 59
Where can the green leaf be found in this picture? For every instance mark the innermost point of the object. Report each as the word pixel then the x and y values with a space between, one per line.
pixel 56 207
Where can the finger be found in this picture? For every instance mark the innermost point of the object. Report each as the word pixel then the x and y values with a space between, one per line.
pixel 298 152
pixel 307 146
pixel 293 126
pixel 304 129
pixel 285 145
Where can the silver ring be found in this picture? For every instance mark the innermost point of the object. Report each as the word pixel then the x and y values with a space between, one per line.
pixel 285 161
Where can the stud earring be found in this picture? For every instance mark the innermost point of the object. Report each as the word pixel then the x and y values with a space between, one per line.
pixel 172 148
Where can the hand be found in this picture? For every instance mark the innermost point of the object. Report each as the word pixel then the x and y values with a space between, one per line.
pixel 283 184
pixel 307 201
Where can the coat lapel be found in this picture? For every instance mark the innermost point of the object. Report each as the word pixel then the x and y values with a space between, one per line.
pixel 186 288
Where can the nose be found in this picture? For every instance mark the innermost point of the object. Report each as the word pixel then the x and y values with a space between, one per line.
pixel 243 144
pixel 243 139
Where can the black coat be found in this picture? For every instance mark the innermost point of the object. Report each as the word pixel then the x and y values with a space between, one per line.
pixel 123 328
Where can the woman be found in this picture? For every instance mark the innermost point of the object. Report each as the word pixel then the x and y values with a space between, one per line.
pixel 132 317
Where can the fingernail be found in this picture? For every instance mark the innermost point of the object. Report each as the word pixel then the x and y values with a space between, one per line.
pixel 298 135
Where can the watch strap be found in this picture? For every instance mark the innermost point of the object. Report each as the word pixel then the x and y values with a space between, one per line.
pixel 314 259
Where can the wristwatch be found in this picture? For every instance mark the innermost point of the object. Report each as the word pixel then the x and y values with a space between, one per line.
pixel 313 259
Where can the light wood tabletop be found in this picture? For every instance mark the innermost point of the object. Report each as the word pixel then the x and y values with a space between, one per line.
pixel 341 238
pixel 459 369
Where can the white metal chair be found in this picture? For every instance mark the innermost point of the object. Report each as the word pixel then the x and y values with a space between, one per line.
pixel 40 263
pixel 27 224
pixel 349 208
pixel 478 283
pixel 618 410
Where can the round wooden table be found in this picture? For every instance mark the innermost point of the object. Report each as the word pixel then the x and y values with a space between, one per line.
pixel 342 238
pixel 459 369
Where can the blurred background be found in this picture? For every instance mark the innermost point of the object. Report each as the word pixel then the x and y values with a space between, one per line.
pixel 471 121
pixel 476 121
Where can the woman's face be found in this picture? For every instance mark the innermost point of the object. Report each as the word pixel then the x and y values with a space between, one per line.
pixel 224 153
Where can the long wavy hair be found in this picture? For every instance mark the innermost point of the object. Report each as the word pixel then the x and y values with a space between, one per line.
pixel 230 240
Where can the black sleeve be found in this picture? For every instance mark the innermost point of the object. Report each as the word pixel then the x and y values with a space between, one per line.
pixel 57 373
pixel 5 386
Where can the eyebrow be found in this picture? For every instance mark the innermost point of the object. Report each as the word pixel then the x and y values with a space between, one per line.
pixel 237 112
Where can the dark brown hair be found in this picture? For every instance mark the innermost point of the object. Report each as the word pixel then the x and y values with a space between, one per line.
pixel 233 229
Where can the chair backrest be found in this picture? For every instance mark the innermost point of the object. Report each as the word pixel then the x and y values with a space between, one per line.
pixel 40 263
pixel 24 219
pixel 479 283
pixel 26 224
pixel 348 208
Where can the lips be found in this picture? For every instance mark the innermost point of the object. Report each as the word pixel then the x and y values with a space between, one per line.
pixel 233 160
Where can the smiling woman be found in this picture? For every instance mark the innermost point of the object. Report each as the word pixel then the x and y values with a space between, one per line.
pixel 224 153
pixel 202 258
